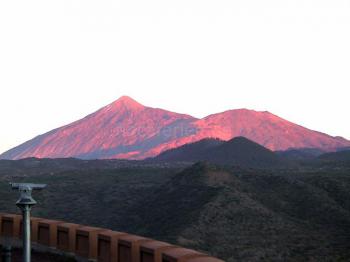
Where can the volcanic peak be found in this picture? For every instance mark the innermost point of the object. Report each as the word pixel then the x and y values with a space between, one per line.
pixel 127 102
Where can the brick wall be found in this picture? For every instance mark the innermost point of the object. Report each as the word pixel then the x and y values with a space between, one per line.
pixel 98 244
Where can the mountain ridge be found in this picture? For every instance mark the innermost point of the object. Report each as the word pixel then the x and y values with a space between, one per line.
pixel 127 129
pixel 238 151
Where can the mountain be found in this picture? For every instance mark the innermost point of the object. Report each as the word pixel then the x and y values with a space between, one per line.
pixel 238 151
pixel 265 129
pixel 127 129
pixel 191 152
pixel 123 129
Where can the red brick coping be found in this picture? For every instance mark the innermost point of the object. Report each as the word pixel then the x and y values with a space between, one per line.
pixel 98 244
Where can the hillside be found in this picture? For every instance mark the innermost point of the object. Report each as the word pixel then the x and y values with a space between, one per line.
pixel 238 151
pixel 191 152
pixel 243 216
pixel 336 159
pixel 125 129
pixel 301 154
pixel 341 156
pixel 232 213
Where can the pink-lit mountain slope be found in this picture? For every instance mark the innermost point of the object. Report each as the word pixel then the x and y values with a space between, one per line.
pixel 124 129
pixel 127 129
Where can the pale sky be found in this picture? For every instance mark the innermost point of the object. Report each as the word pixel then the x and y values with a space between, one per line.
pixel 61 60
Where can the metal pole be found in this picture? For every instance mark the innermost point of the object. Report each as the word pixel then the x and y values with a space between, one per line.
pixel 25 203
pixel 26 233
pixel 6 254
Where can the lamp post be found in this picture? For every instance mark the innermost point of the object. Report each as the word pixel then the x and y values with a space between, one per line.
pixel 25 203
